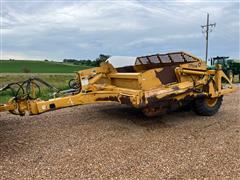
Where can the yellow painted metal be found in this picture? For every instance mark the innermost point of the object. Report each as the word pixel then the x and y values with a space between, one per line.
pixel 7 107
pixel 193 72
pixel 211 101
pixel 148 80
pixel 142 88
pixel 124 75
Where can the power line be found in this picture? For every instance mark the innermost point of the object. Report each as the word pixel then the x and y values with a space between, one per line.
pixel 206 29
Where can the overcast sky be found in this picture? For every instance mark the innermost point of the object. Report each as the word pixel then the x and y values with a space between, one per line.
pixel 82 30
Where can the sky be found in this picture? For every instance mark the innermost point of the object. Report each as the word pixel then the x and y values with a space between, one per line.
pixel 56 30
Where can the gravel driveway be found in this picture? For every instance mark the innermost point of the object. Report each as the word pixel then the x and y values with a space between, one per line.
pixel 105 141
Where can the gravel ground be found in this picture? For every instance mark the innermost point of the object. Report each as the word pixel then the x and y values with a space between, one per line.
pixel 105 141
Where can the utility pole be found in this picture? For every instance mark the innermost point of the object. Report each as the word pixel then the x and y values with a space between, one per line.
pixel 206 29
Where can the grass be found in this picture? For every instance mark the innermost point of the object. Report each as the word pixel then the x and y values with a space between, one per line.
pixel 55 73
pixel 27 66
pixel 59 81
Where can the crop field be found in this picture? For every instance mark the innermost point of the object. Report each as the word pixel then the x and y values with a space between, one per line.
pixel 21 66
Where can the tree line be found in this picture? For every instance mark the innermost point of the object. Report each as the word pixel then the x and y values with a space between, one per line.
pixel 96 62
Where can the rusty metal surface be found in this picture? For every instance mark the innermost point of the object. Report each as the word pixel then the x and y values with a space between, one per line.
pixel 167 58
pixel 109 98
pixel 167 75
pixel 125 100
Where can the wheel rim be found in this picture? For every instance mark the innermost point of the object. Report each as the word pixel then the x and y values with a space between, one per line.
pixel 211 102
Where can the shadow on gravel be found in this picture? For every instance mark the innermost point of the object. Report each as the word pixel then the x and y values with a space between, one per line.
pixel 121 113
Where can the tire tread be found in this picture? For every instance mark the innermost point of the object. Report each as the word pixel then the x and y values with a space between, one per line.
pixel 201 108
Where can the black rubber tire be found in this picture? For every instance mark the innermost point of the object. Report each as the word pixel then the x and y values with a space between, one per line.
pixel 200 107
pixel 73 84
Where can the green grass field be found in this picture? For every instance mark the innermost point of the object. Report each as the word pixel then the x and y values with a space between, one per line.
pixel 27 66
pixel 59 81
pixel 55 73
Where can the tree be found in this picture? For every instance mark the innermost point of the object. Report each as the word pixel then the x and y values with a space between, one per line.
pixel 88 62
pixel 101 58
